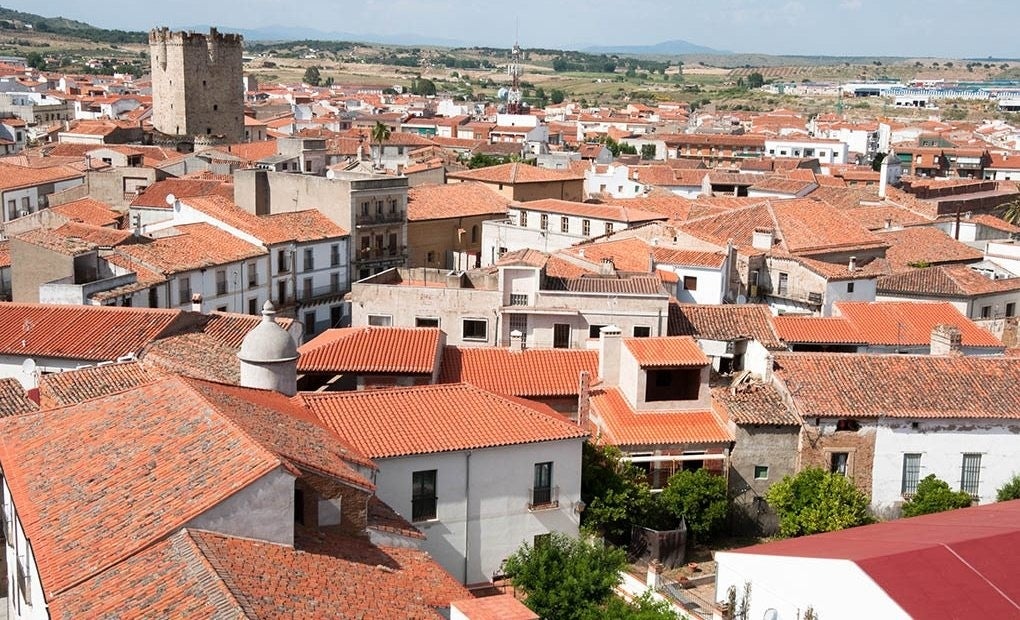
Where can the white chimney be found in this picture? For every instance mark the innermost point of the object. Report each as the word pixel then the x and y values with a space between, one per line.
pixel 196 302
pixel 852 267
pixel 609 355
pixel 946 339
pixel 763 238
pixel 516 341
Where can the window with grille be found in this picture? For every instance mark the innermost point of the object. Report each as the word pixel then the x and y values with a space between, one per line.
pixel 911 473
pixel 518 299
pixel 334 255
pixel 971 475
pixel 423 495
pixel 221 282
pixel 564 224
pixel 541 494
pixel 609 228
pixel 184 289
pixel 586 227
pixel 524 218
pixel 519 322
pixel 544 221
pixel 838 462
pixel 309 259
pixel 784 283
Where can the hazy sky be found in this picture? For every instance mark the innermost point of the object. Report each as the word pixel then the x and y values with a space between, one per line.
pixel 957 28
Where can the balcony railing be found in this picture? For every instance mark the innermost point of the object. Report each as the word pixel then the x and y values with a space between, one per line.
pixel 544 498
pixel 376 219
pixel 390 251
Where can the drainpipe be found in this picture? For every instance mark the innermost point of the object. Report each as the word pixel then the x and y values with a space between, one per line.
pixel 467 511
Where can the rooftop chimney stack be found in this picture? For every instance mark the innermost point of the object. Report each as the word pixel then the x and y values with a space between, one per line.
pixel 609 355
pixel 516 341
pixel 852 267
pixel 763 238
pixel 196 302
pixel 583 399
pixel 946 339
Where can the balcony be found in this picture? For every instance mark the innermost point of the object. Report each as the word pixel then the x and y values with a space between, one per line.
pixel 314 293
pixel 379 219
pixel 384 253
pixel 544 498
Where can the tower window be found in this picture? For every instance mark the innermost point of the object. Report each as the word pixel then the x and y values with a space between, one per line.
pixel 215 107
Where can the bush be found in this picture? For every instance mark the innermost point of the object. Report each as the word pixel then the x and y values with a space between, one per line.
pixel 1010 490
pixel 934 495
pixel 699 497
pixel 816 501
pixel 615 492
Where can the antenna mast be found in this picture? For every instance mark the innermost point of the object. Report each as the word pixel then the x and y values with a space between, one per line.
pixel 513 96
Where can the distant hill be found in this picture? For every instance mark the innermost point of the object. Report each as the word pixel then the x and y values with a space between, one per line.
pixel 666 48
pixel 68 27
pixel 295 33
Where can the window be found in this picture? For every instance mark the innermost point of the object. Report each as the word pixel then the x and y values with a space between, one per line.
pixel 609 228
pixel 334 282
pixel 282 264
pixel 986 312
pixel 392 244
pixel 307 284
pixel 970 475
pixel 544 221
pixel 690 283
pixel 475 329
pixel 586 228
pixel 334 255
pixel 474 234
pixel 253 305
pixel 299 506
pixel 911 474
pixel 309 259
pixel 784 283
pixel 761 472
pixel 542 493
pixel 595 331
pixel 184 289
pixel 519 322
pixel 838 462
pixel 380 320
pixel 364 208
pixel 849 287
pixel 668 384
pixel 564 224
pixel 524 218
pixel 423 495
pixel 642 331
pixel 518 299
pixel 561 336
pixel 1010 309
pixel 420 321
pixel 848 425
pixel 221 282
pixel 253 276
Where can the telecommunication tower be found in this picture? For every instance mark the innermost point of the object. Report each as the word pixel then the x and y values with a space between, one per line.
pixel 513 96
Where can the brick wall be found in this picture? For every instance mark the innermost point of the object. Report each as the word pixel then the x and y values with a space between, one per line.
pixel 819 442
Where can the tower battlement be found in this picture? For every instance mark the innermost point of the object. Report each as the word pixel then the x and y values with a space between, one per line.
pixel 165 36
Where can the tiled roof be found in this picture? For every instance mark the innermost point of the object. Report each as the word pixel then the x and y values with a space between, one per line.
pixel 383 518
pixel 5 253
pixel 299 226
pixel 15 177
pixel 13 399
pixel 611 213
pixel 665 203
pixel 230 328
pixel 633 285
pixel 154 196
pixel 196 246
pixel 390 350
pixel 527 373
pixel 436 418
pixel 163 448
pixel 910 323
pixel 817 330
pixel 902 386
pixel 755 403
pixel 924 244
pixel 875 217
pixel 781 185
pixel 99 333
pixel 74 386
pixel 88 211
pixel 61 244
pixel 437 202
pixel 99 236
pixel 666 352
pixel 724 322
pixel 622 426
pixel 197 355
pixel 945 281
pixel 514 173
pixel 632 254
pixel 497 607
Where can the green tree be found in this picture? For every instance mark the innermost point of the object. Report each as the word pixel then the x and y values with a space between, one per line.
pixel 876 164
pixel 643 607
pixel 312 77
pixel 647 151
pixel 481 160
pixel 566 578
pixel 380 134
pixel 35 60
pixel 934 495
pixel 1010 490
pixel 816 501
pixel 1012 212
pixel 615 492
pixel 755 80
pixel 556 96
pixel 699 497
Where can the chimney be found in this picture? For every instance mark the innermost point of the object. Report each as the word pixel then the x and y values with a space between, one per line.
pixel 516 341
pixel 609 355
pixel 651 262
pixel 946 340
pixel 763 238
pixel 580 252
pixel 852 267
pixel 607 268
pixel 888 223
pixel 584 399
pixel 196 302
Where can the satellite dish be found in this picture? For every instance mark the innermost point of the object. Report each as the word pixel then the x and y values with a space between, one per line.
pixel 171 199
pixel 741 299
pixel 28 366
pixel 770 614
pixel 502 93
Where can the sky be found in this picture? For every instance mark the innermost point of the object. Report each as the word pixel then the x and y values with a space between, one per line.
pixel 922 28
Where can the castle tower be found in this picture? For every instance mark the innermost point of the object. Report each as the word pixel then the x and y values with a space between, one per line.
pixel 269 356
pixel 197 85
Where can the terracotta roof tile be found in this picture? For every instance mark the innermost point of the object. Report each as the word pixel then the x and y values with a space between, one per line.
pixel 5 253
pixel 390 350
pixel 99 334
pixel 945 281
pixel 724 322
pixel 621 425
pixel 498 607
pixel 383 518
pixel 13 399
pixel 196 355
pixel 666 352
pixel 923 244
pixel 514 173
pixel 755 403
pixel 910 323
pixel 436 418
pixel 584 209
pixel 299 226
pixel 632 285
pixel 527 373
pixel 154 196
pixel 817 330
pixel 15 177
pixel 195 246
pixel 74 386
pixel 436 202
pixel 902 386
pixel 71 493
pixel 89 211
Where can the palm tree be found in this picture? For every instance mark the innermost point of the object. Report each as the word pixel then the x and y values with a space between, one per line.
pixel 1012 213
pixel 380 134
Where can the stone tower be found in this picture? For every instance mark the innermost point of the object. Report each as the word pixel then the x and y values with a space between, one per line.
pixel 197 85
pixel 269 356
